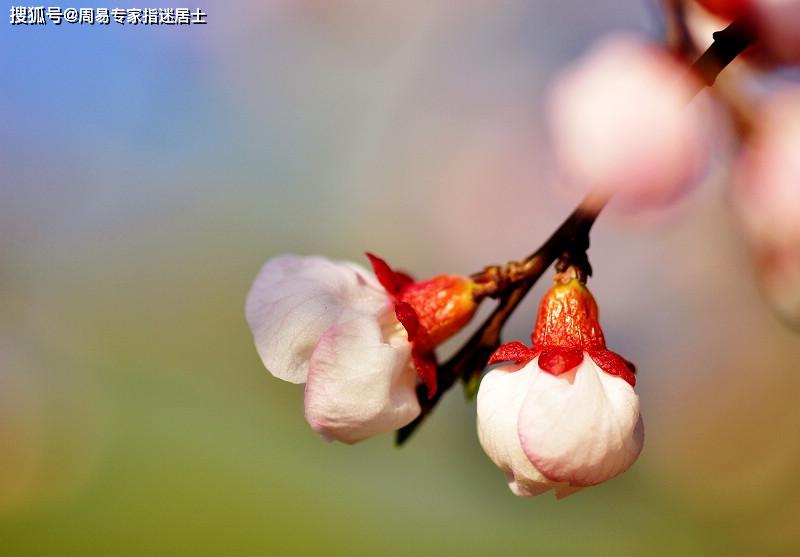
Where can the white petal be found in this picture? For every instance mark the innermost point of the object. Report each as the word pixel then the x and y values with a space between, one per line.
pixel 359 383
pixel 500 397
pixel 294 300
pixel 582 427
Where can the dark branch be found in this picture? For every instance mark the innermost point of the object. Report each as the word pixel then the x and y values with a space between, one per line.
pixel 567 245
pixel 728 44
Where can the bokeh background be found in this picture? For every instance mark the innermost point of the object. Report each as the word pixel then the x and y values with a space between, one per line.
pixel 147 173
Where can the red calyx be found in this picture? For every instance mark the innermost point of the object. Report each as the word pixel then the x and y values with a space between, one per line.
pixel 430 311
pixel 559 360
pixel 393 281
pixel 568 317
pixel 513 352
pixel 424 360
pixel 567 326
pixel 443 304
pixel 408 318
pixel 614 364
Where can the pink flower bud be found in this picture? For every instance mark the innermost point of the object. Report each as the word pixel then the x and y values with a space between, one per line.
pixel 358 341
pixel 567 417
pixel 332 326
pixel 619 123
pixel 767 198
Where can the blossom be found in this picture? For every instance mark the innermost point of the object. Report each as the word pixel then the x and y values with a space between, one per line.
pixel 767 199
pixel 564 414
pixel 620 124
pixel 358 340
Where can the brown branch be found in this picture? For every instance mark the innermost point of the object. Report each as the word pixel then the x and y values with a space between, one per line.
pixel 728 44
pixel 568 245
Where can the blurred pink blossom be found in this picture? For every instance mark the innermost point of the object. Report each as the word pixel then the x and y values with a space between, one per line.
pixel 767 198
pixel 619 123
pixel 779 26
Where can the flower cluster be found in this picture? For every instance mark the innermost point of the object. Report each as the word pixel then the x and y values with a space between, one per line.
pixel 359 341
pixel 562 413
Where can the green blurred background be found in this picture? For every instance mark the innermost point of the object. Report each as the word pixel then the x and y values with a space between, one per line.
pixel 147 173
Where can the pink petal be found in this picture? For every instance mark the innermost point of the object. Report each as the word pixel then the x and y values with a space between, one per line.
pixel 766 193
pixel 294 300
pixel 582 427
pixel 360 383
pixel 500 397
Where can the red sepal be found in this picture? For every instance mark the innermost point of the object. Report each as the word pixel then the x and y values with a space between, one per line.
pixel 392 281
pixel 560 360
pixel 425 362
pixel 513 352
pixel 403 279
pixel 614 364
pixel 408 318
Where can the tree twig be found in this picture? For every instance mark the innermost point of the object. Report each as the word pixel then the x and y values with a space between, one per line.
pixel 568 245
pixel 728 44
